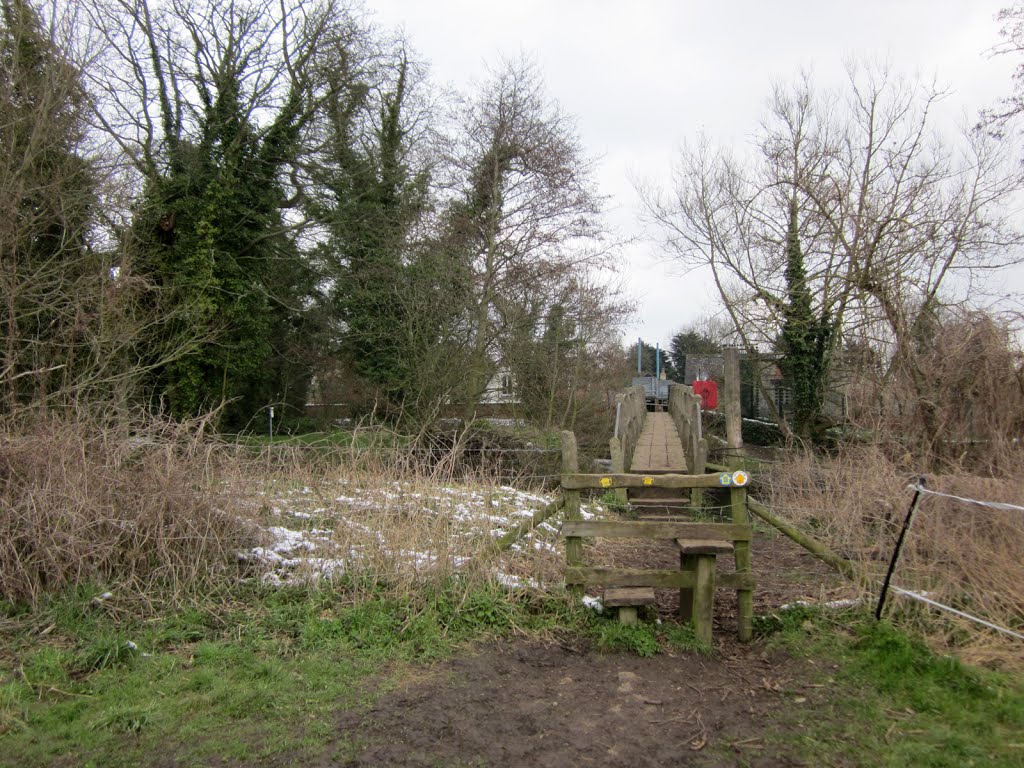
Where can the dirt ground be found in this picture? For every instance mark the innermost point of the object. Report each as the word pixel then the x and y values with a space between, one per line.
pixel 532 704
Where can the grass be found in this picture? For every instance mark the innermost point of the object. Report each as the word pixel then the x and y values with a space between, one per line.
pixel 888 700
pixel 964 555
pixel 261 675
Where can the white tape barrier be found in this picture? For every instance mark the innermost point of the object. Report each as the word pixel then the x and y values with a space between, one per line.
pixel 990 504
pixel 923 599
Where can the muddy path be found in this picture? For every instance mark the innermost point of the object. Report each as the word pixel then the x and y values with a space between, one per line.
pixel 561 704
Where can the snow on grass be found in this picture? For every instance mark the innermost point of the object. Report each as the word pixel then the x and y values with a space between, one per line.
pixel 314 533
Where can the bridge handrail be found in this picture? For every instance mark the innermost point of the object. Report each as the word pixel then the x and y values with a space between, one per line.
pixel 630 414
pixel 684 408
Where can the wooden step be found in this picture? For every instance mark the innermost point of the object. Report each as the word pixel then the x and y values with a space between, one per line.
pixel 626 599
pixel 703 546
pixel 619 596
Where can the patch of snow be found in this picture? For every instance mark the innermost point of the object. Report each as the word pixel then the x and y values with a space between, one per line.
pixel 594 603
pixel 835 604
pixel 516 582
pixel 286 540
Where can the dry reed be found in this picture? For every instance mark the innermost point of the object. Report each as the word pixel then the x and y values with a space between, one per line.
pixel 386 520
pixel 963 555
pixel 162 510
pixel 127 506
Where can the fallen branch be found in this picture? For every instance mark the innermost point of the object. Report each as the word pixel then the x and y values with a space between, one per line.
pixel 524 528
pixel 809 543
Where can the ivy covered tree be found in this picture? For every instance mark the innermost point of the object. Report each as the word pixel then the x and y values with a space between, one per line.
pixel 222 94
pixel 370 199
pixel 804 340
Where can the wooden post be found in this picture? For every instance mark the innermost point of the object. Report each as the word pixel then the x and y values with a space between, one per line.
pixel 686 563
pixel 704 598
pixel 731 395
pixel 695 447
pixel 618 466
pixel 573 544
pixel 744 597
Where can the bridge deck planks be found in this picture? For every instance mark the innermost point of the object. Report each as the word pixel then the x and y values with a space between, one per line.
pixel 658 449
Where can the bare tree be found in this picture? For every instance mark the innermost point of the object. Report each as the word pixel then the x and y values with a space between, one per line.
pixel 524 211
pixel 46 198
pixel 553 352
pixel 891 220
pixel 998 119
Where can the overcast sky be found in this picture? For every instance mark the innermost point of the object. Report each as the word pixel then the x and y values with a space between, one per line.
pixel 643 76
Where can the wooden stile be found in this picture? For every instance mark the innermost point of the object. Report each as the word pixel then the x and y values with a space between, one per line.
pixel 745 597
pixel 699 543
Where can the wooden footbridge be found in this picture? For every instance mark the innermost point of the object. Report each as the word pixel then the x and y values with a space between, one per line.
pixel 659 463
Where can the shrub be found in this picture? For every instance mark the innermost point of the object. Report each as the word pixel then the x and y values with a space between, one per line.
pixel 130 506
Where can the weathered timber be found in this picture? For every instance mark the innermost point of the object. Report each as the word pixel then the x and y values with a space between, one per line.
pixel 581 481
pixel 618 465
pixel 632 414
pixel 745 597
pixel 811 544
pixel 659 448
pixel 651 577
pixel 571 499
pixel 626 599
pixel 615 597
pixel 514 535
pixel 731 393
pixel 704 598
pixel 650 529
pixel 704 546
pixel 627 614
pixel 688 564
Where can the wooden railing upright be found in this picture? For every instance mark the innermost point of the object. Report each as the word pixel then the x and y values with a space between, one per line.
pixel 630 415
pixel 684 408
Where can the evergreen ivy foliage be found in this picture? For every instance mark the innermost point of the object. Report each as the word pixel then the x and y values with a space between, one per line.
pixel 805 337
pixel 212 236
pixel 286 203
pixel 374 198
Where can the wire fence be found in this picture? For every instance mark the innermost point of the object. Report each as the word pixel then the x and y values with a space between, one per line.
pixel 963 550
pixel 1014 530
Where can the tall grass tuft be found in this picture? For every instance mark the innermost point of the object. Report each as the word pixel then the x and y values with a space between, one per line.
pixel 963 555
pixel 127 505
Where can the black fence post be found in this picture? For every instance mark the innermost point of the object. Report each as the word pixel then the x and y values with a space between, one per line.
pixel 899 546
